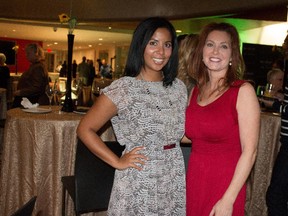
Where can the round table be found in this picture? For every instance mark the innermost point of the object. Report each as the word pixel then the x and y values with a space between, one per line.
pixel 38 149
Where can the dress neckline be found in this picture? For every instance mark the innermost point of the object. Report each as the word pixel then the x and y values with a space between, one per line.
pixel 212 102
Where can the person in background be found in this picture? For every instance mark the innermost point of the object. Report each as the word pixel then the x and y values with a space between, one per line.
pixel 147 108
pixel 4 72
pixel 91 73
pixel 74 69
pixel 99 62
pixel 83 71
pixel 33 82
pixel 222 121
pixel 63 70
pixel 58 67
pixel 277 193
pixel 180 38
pixel 105 70
pixel 186 47
pixel 275 77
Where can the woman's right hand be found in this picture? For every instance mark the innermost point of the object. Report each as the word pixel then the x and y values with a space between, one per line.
pixel 131 159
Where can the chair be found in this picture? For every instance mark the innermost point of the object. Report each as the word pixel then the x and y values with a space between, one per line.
pixel 186 150
pixel 26 209
pixel 91 185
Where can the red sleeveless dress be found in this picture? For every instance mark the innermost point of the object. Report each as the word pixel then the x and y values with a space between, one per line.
pixel 216 148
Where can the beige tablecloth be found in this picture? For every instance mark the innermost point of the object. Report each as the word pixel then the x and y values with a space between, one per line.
pixel 38 150
pixel 260 176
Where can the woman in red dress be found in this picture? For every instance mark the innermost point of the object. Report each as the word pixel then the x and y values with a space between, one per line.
pixel 222 121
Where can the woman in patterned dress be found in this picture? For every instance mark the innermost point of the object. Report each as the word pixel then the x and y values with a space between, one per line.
pixel 146 108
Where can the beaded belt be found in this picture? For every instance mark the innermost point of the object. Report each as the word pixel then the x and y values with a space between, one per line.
pixel 169 146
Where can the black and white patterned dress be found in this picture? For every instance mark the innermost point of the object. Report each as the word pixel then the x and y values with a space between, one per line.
pixel 149 115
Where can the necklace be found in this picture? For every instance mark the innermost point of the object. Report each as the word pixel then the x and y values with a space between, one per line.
pixel 148 91
pixel 142 78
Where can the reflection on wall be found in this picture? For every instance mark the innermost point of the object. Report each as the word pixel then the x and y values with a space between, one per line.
pixel 268 35
pixel 6 47
pixel 118 54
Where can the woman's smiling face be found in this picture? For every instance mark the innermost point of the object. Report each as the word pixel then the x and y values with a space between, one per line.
pixel 217 51
pixel 158 50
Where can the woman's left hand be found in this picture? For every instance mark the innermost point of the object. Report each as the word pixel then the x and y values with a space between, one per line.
pixel 222 208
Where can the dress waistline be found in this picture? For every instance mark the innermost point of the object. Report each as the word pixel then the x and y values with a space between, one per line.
pixel 169 146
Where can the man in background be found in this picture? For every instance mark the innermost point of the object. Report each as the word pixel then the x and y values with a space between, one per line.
pixel 105 70
pixel 84 71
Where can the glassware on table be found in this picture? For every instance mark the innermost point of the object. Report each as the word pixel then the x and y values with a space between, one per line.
pixel 59 91
pixel 95 89
pixel 260 91
pixel 50 93
pixel 269 90
pixel 77 86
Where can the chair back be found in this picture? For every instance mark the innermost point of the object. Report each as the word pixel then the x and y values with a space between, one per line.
pixel 27 208
pixel 93 178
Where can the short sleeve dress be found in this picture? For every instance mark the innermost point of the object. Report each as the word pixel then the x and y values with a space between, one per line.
pixel 152 116
pixel 216 148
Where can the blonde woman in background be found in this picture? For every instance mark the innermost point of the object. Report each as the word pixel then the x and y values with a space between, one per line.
pixel 276 77
pixel 186 47
pixel 33 82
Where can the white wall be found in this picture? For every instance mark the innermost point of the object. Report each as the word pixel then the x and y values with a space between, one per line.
pixel 268 35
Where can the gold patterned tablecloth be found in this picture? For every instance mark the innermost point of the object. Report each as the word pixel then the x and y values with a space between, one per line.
pixel 260 176
pixel 38 150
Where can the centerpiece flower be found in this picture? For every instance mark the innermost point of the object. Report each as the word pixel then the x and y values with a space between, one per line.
pixel 64 18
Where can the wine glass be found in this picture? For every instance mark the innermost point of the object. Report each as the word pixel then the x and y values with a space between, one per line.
pixel 269 91
pixel 77 86
pixel 50 93
pixel 95 88
pixel 59 92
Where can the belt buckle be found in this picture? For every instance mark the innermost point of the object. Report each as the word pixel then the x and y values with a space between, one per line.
pixel 169 146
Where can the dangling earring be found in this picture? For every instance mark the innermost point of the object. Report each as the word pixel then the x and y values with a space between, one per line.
pixel 230 63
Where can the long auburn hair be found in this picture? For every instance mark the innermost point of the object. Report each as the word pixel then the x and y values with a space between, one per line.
pixel 199 71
